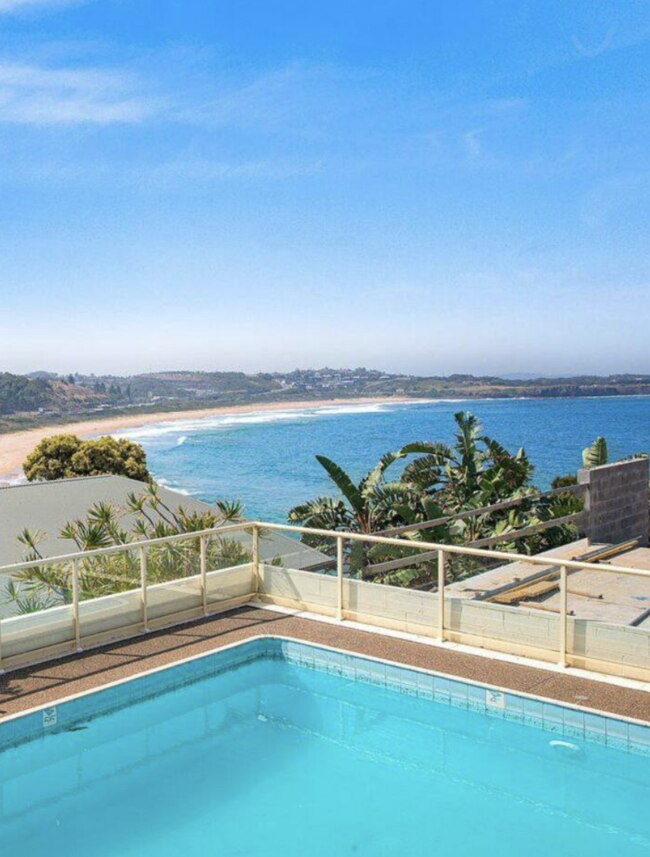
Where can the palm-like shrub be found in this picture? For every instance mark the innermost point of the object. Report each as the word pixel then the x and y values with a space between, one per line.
pixel 50 584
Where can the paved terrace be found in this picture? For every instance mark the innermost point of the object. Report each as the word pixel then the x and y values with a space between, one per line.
pixel 46 683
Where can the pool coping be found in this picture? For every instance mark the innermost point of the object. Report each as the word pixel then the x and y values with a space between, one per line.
pixel 565 720
pixel 301 631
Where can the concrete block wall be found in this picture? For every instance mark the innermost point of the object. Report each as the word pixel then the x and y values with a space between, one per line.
pixel 617 501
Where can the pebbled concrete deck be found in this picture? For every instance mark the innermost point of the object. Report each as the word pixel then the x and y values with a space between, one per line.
pixel 46 683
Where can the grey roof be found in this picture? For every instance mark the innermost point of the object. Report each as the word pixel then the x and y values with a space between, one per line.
pixel 48 506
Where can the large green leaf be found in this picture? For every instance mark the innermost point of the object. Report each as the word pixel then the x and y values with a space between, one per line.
pixel 375 476
pixel 343 482
pixel 425 447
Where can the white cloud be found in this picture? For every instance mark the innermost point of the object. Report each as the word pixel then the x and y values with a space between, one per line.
pixel 161 175
pixel 31 94
pixel 302 98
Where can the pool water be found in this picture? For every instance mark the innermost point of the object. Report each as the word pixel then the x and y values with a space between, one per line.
pixel 273 758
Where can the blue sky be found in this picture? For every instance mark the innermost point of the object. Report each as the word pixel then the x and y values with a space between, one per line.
pixel 415 186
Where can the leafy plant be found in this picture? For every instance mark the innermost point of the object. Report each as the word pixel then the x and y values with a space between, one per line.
pixel 48 584
pixel 595 454
pixel 437 484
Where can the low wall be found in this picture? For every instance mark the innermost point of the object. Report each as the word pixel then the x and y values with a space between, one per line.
pixel 34 637
pixel 616 649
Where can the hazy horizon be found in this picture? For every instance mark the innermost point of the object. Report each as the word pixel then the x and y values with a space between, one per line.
pixel 428 188
pixel 506 376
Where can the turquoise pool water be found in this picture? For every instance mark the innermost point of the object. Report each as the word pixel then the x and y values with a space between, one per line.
pixel 270 756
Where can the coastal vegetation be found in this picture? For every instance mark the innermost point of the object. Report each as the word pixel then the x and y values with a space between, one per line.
pixel 64 456
pixel 595 454
pixel 35 395
pixel 44 398
pixel 437 485
pixel 146 516
pixel 18 393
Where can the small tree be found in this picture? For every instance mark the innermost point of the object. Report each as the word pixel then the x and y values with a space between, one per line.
pixel 64 456
pixel 52 458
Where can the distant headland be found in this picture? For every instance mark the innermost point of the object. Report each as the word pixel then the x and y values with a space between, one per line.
pixel 42 399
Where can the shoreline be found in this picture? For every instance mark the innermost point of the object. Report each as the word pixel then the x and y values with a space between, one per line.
pixel 16 446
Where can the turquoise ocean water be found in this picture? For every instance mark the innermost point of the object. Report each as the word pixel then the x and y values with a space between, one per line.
pixel 266 459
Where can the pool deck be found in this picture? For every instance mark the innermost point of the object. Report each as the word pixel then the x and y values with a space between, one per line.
pixel 45 684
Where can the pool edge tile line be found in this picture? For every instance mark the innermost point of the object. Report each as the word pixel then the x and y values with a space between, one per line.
pixel 566 720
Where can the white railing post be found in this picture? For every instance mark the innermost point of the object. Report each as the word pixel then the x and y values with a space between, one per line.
pixel 75 604
pixel 143 588
pixel 256 560
pixel 441 595
pixel 204 573
pixel 563 616
pixel 339 578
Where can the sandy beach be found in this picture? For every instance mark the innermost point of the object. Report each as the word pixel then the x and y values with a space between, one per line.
pixel 16 446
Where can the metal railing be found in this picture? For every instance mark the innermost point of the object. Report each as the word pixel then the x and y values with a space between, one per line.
pixel 441 552
pixel 75 560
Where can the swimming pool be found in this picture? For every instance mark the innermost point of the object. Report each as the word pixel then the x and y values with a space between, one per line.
pixel 275 747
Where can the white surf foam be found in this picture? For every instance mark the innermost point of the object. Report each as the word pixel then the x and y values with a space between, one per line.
pixel 12 479
pixel 215 422
pixel 165 483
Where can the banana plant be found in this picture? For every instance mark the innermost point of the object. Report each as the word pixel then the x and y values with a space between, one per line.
pixel 362 507
pixel 477 471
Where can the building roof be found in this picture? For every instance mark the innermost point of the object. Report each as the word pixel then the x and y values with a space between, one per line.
pixel 592 594
pixel 48 506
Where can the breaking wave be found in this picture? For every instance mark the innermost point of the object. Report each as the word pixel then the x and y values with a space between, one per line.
pixel 225 421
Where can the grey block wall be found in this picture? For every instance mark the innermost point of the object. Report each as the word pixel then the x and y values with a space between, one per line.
pixel 617 501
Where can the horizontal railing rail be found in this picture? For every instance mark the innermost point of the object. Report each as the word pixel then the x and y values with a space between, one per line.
pixel 483 510
pixel 374 538
pixel 509 556
pixel 253 569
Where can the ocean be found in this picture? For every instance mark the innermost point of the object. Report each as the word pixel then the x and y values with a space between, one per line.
pixel 266 458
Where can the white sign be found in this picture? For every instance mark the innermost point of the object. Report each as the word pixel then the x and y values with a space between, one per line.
pixel 495 699
pixel 49 717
